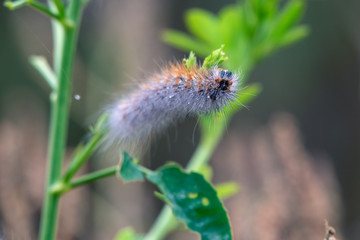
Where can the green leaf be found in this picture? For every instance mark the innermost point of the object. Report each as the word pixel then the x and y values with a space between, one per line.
pixel 190 61
pixel 289 16
pixel 268 9
pixel 185 42
pixel 194 201
pixel 250 17
pixel 127 233
pixel 294 35
pixel 203 25
pixel 215 58
pixel 227 189
pixel 130 171
pixel 230 24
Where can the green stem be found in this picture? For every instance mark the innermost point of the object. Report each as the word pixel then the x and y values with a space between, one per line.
pixel 81 157
pixel 64 40
pixel 94 176
pixel 164 224
pixel 204 151
pixel 62 187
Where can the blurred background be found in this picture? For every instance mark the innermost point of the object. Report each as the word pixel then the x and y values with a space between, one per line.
pixel 295 152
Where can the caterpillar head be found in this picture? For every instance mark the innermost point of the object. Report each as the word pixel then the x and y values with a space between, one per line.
pixel 224 82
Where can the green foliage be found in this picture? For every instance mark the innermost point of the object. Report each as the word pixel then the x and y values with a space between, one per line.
pixel 129 170
pixel 249 31
pixel 190 61
pixel 193 200
pixel 183 41
pixel 217 57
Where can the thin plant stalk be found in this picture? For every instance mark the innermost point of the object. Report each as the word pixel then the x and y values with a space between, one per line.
pixel 65 38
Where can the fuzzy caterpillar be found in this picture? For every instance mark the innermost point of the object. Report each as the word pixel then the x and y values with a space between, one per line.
pixel 172 94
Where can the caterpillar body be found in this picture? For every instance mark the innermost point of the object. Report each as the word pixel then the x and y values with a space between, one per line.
pixel 172 94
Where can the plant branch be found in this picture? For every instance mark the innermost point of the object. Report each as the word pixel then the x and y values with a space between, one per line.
pixel 42 66
pixel 83 154
pixel 16 4
pixel 12 5
pixel 62 187
pixel 164 224
pixel 94 176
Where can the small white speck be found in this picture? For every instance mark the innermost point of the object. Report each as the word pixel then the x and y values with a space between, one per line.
pixel 170 97
pixel 77 97
pixel 208 96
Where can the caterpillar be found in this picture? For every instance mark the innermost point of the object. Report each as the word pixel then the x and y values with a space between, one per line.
pixel 175 92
